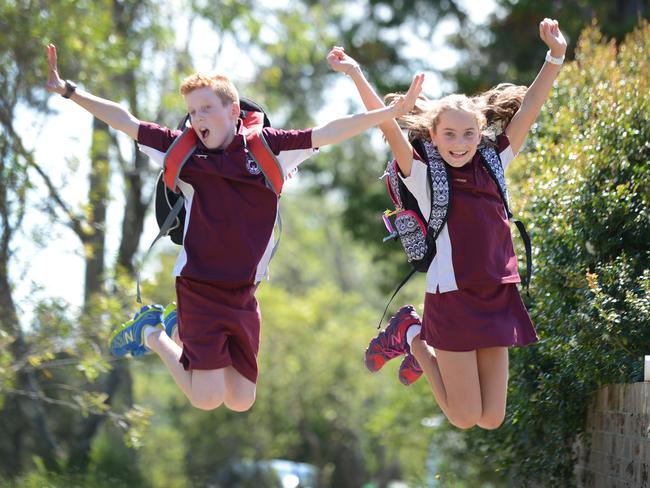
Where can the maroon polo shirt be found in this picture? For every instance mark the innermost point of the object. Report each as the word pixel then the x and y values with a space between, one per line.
pixel 230 210
pixel 474 248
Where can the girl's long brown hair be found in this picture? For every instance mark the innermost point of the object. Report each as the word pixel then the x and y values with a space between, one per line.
pixel 500 104
pixel 493 110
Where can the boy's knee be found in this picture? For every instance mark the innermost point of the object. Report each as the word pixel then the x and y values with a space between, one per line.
pixel 240 403
pixel 206 401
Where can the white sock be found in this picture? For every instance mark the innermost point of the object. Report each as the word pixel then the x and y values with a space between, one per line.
pixel 148 330
pixel 411 333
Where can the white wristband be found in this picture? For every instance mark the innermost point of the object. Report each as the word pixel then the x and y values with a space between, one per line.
pixel 552 59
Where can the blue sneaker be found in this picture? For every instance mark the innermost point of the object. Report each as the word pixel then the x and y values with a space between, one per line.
pixel 169 319
pixel 129 337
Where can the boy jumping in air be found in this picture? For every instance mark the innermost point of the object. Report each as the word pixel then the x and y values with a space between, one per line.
pixel 210 343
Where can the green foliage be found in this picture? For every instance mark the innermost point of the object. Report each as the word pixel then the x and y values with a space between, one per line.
pixel 45 479
pixel 508 46
pixel 584 190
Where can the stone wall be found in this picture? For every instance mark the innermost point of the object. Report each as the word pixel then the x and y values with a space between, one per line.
pixel 615 451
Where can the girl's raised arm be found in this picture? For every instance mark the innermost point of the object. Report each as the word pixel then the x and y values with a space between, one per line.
pixel 399 144
pixel 517 130
pixel 345 127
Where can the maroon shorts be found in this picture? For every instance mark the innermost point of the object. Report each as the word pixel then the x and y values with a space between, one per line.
pixel 470 319
pixel 219 326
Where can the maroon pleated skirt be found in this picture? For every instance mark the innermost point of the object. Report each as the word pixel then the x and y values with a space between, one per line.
pixel 470 319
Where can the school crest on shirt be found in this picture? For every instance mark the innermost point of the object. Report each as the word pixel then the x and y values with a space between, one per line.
pixel 251 165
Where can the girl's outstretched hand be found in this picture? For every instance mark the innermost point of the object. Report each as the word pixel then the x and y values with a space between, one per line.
pixel 549 32
pixel 341 62
pixel 54 82
pixel 405 103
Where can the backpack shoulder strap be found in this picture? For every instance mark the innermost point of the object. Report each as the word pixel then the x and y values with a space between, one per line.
pixel 264 157
pixel 440 188
pixel 177 155
pixel 492 162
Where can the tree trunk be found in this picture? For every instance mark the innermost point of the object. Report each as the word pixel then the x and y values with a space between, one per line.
pixel 134 215
pixel 119 378
pixel 94 249
pixel 97 200
pixel 28 433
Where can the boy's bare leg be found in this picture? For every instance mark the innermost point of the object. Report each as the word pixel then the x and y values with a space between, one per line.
pixel 239 391
pixel 177 339
pixel 204 389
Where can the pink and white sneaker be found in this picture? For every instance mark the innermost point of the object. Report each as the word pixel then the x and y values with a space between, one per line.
pixel 391 342
pixel 410 370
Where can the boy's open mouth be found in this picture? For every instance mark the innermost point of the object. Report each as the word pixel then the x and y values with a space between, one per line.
pixel 457 154
pixel 204 133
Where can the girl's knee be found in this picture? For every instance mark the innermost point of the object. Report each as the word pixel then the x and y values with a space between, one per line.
pixel 462 422
pixel 464 418
pixel 491 420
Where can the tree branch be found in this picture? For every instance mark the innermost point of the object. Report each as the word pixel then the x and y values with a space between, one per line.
pixel 75 222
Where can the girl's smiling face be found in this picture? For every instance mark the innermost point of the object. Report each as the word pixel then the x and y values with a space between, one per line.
pixel 213 121
pixel 457 135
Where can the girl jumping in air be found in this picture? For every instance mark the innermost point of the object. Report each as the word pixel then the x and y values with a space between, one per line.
pixel 472 309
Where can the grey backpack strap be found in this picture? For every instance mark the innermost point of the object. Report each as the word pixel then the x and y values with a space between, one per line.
pixel 277 241
pixel 276 244
pixel 167 225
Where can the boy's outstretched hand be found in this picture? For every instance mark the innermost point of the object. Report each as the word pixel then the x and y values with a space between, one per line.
pixel 405 103
pixel 549 32
pixel 54 82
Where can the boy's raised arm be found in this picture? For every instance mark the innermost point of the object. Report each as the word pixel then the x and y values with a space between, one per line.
pixel 110 112
pixel 341 129
pixel 537 93
pixel 398 142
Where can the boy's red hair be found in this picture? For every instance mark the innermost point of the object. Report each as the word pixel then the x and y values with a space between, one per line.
pixel 220 84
